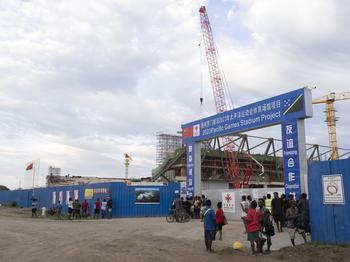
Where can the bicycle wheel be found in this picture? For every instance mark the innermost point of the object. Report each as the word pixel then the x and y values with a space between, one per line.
pixel 170 218
pixel 187 218
pixel 181 218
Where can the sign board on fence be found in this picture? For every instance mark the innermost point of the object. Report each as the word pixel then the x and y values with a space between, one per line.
pixel 147 195
pixel 67 196
pixel 228 202
pixel 333 189
pixel 89 193
pixel 54 198
pixel 60 197
pixel 76 194
pixel 255 194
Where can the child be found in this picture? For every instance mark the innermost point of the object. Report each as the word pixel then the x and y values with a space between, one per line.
pixel 268 229
pixel 219 219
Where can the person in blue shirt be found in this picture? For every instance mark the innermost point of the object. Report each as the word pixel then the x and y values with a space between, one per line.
pixel 59 209
pixel 209 225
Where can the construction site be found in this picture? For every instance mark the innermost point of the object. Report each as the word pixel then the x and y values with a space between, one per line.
pixel 241 160
pixel 236 161
pixel 161 124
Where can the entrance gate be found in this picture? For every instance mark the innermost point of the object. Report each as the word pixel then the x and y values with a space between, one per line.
pixel 288 110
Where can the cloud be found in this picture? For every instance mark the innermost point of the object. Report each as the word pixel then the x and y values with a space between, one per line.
pixel 82 82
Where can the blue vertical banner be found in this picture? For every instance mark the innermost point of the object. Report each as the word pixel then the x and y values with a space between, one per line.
pixel 190 169
pixel 291 165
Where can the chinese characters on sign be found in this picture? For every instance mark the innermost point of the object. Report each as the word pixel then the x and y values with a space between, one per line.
pixel 190 169
pixel 257 115
pixel 228 202
pixel 291 168
pixel 283 109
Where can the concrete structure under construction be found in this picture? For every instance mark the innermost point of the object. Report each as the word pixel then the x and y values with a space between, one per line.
pixel 56 180
pixel 214 174
pixel 267 152
pixel 166 145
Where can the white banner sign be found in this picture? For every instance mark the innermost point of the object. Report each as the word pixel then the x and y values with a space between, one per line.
pixel 76 194
pixel 333 189
pixel 60 197
pixel 228 202
pixel 67 196
pixel 54 198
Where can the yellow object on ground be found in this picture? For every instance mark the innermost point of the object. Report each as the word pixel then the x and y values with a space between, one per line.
pixel 238 246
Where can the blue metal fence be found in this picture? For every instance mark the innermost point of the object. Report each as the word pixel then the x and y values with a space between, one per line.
pixel 330 224
pixel 123 197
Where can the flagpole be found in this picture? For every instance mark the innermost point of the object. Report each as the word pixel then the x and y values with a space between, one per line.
pixel 33 180
pixel 39 170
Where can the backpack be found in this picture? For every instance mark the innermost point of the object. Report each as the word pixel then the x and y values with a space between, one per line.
pixel 269 228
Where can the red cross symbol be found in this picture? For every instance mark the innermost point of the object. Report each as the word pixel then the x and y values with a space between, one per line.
pixel 228 198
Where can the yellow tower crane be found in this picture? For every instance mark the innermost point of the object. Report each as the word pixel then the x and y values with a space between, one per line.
pixel 329 100
pixel 127 160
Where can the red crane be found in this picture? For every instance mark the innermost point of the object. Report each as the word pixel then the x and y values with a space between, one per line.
pixel 218 86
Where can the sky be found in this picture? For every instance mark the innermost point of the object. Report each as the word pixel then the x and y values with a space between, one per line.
pixel 82 82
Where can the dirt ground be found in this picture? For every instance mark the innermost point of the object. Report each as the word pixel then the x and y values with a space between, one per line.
pixel 137 239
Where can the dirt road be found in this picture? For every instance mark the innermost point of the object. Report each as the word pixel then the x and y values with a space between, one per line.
pixel 139 239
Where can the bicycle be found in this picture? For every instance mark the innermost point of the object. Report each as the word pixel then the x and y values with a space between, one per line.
pixel 181 216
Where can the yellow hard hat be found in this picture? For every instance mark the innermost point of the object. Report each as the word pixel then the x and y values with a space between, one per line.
pixel 238 246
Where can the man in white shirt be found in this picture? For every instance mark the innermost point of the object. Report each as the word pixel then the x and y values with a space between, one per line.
pixel 245 208
pixel 104 208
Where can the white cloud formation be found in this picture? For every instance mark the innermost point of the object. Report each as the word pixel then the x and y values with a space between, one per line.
pixel 81 82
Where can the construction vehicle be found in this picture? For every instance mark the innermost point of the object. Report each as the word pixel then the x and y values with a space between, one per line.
pixel 221 98
pixel 127 160
pixel 329 100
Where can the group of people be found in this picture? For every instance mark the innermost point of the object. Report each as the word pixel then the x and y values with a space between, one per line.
pixel 259 219
pixel 77 210
pixel 193 206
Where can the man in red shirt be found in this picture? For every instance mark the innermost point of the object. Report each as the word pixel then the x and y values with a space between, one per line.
pixel 84 208
pixel 97 208
pixel 219 219
pixel 253 227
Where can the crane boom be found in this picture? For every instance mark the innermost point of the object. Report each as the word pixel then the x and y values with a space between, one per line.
pixel 332 97
pixel 221 102
pixel 216 80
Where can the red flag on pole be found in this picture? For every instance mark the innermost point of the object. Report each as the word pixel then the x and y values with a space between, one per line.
pixel 29 167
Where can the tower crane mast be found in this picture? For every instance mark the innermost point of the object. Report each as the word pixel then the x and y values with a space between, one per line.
pixel 127 159
pixel 329 100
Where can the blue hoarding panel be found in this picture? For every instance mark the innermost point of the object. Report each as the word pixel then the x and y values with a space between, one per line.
pixel 330 223
pixel 123 196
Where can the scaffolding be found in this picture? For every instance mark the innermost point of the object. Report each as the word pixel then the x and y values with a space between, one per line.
pixel 267 151
pixel 166 145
